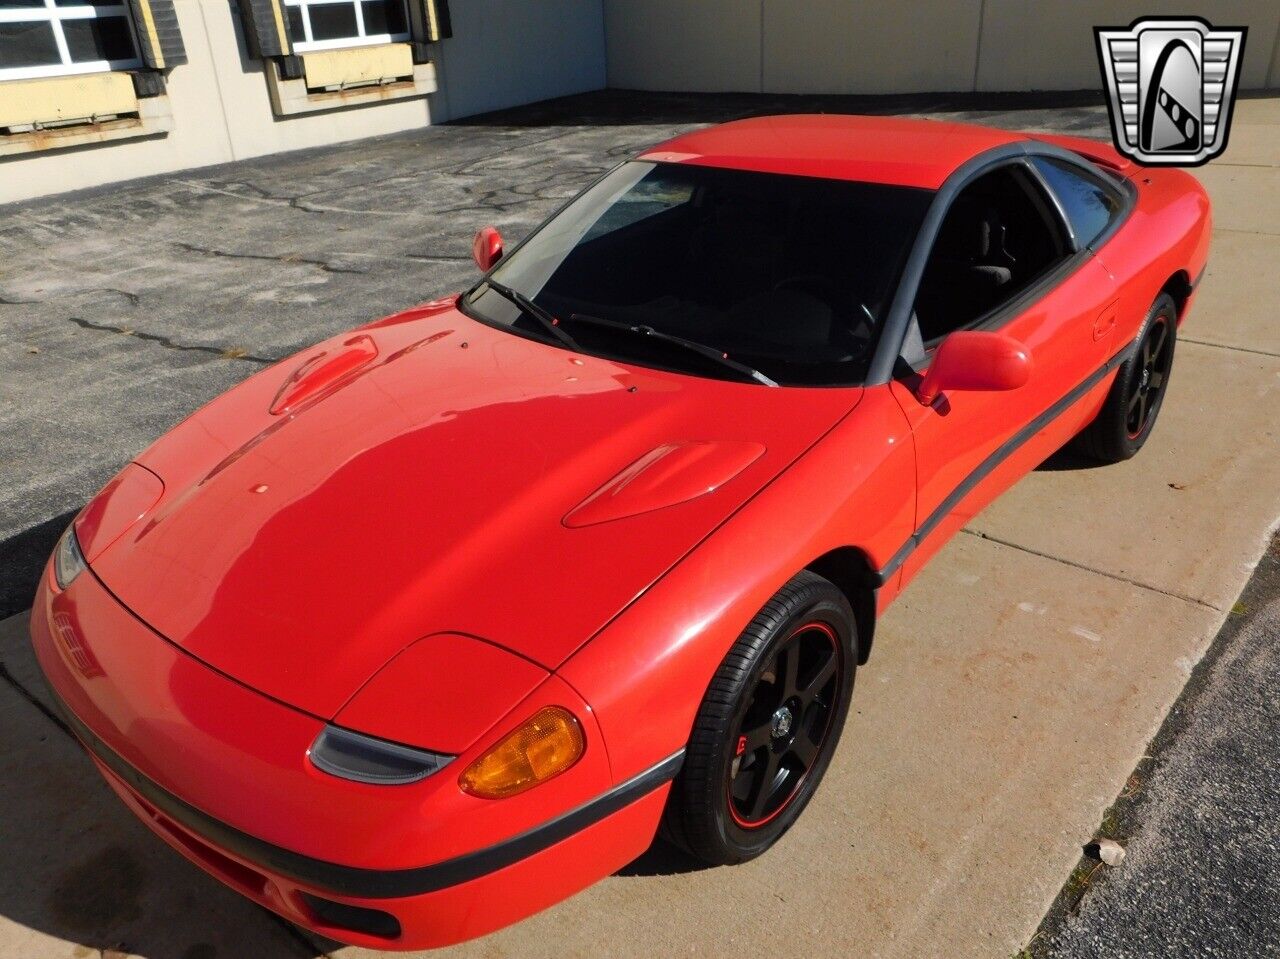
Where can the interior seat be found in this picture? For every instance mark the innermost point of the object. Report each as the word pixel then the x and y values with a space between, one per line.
pixel 967 269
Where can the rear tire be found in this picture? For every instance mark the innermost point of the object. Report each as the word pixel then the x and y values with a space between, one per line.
pixel 768 725
pixel 1129 412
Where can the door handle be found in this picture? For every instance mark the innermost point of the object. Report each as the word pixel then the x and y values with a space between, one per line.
pixel 1106 321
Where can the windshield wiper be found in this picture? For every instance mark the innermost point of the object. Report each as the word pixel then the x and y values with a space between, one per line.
pixel 710 352
pixel 543 316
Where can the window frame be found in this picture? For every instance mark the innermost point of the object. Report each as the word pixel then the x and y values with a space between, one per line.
pixel 54 15
pixel 1050 209
pixel 899 353
pixel 1091 174
pixel 361 39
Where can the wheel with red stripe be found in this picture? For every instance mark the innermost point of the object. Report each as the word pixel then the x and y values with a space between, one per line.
pixel 768 725
pixel 1129 412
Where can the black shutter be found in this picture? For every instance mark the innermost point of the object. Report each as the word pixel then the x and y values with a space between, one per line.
pixel 158 34
pixel 439 25
pixel 266 28
pixel 428 23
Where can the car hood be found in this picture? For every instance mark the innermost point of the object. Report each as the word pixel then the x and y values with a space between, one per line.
pixel 428 474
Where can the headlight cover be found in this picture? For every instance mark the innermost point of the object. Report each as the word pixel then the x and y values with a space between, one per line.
pixel 68 561
pixel 366 759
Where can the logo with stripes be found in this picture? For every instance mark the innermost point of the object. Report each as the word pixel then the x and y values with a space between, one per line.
pixel 1171 83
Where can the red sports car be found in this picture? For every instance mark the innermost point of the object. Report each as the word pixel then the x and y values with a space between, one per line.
pixel 434 624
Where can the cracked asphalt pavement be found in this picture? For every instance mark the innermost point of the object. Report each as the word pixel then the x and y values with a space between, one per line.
pixel 1201 876
pixel 125 308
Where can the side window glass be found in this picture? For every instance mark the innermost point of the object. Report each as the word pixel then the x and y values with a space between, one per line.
pixel 1089 204
pixel 995 241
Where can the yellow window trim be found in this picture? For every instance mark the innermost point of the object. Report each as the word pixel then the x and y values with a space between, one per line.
pixel 433 31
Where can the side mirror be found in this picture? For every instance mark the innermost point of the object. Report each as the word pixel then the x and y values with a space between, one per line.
pixel 973 360
pixel 487 248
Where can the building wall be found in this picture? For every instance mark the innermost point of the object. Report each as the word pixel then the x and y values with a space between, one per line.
pixel 708 45
pixel 507 52
pixel 502 53
pixel 839 46
pixel 1030 45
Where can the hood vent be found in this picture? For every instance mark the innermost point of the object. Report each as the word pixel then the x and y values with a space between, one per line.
pixel 669 474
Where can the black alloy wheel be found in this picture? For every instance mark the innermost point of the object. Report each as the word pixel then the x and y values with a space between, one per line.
pixel 1146 389
pixel 768 725
pixel 1129 411
pixel 784 725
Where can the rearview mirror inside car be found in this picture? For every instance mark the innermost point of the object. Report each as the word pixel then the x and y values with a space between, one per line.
pixel 974 360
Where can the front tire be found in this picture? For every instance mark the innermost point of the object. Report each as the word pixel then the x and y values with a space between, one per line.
pixel 1129 412
pixel 768 725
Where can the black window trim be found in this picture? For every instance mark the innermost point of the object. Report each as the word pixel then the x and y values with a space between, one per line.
pixel 1119 187
pixel 1063 219
pixel 889 360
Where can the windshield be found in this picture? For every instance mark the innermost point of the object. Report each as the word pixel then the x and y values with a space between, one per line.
pixel 723 273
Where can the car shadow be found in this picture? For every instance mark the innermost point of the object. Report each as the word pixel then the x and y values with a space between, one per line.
pixel 81 874
pixel 662 859
pixel 1067 460
pixel 22 557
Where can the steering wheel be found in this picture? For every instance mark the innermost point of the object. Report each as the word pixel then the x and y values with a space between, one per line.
pixel 856 322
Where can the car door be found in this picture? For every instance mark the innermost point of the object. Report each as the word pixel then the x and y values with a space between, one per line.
pixel 1005 259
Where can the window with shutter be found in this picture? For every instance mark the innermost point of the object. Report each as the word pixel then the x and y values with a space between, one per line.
pixel 284 28
pixel 53 38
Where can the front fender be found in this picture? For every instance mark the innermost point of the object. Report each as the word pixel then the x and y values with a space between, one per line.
pixel 646 673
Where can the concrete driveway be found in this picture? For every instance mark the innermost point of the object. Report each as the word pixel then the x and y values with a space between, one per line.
pixel 1012 690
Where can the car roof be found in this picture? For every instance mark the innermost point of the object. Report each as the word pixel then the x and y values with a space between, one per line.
pixel 898 150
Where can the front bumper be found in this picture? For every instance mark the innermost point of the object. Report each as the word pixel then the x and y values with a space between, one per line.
pixel 219 772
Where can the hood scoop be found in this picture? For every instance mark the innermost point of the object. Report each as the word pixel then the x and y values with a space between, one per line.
pixel 324 372
pixel 665 476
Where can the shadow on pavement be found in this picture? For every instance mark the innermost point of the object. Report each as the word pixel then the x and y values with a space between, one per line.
pixel 662 859
pixel 1066 460
pixel 636 107
pixel 22 557
pixel 79 868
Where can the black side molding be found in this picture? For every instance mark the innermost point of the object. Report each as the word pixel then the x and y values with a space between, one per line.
pixel 984 469
pixel 374 883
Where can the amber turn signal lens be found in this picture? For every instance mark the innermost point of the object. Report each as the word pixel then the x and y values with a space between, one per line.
pixel 544 747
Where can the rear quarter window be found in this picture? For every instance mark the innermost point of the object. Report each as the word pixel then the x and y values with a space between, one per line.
pixel 1088 201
